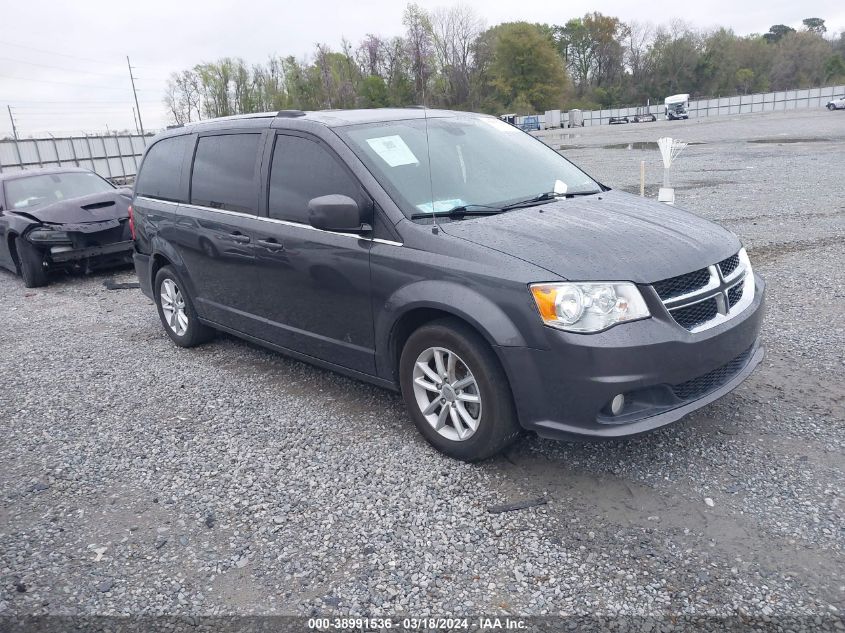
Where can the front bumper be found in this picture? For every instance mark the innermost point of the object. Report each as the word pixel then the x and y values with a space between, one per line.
pixel 58 256
pixel 664 371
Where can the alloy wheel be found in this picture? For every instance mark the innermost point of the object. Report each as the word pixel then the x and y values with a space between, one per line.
pixel 447 393
pixel 173 307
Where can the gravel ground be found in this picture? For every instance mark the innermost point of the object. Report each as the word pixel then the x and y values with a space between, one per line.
pixel 140 478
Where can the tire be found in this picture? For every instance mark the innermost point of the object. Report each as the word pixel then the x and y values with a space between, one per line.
pixel 31 264
pixel 495 415
pixel 831 107
pixel 178 316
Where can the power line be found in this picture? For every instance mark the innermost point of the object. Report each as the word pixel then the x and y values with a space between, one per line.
pixel 74 70
pixel 65 68
pixel 41 50
pixel 40 101
pixel 65 83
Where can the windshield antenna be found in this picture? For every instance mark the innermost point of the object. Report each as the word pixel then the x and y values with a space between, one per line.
pixel 434 228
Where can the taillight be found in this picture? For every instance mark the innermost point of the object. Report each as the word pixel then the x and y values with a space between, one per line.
pixel 131 222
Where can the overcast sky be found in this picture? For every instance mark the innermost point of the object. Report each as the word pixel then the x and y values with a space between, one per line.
pixel 63 64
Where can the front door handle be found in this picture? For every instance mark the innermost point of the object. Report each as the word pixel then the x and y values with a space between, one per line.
pixel 240 238
pixel 271 245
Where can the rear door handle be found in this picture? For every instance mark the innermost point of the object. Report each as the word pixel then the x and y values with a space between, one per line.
pixel 239 238
pixel 271 245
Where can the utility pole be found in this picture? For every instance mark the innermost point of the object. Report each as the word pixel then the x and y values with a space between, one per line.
pixel 135 118
pixel 134 92
pixel 12 119
pixel 15 134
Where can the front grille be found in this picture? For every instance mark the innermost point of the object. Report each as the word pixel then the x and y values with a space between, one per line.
pixel 118 233
pixel 695 314
pixel 727 266
pixel 735 294
pixel 682 284
pixel 697 387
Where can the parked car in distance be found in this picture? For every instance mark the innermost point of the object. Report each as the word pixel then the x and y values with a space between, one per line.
pixel 61 218
pixel 837 103
pixel 643 116
pixel 616 120
pixel 449 256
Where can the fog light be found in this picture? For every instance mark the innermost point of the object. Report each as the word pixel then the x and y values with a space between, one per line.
pixel 617 404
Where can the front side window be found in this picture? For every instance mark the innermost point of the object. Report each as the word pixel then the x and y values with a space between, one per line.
pixel 302 169
pixel 224 172
pixel 437 165
pixel 161 171
pixel 35 191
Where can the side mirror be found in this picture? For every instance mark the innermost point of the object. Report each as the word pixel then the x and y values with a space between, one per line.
pixel 337 213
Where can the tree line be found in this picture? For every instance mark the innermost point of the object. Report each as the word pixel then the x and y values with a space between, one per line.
pixel 449 58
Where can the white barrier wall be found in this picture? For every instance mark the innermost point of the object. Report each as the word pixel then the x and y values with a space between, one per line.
pixel 741 104
pixel 113 157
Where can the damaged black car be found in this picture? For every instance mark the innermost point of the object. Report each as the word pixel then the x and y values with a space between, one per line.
pixel 62 219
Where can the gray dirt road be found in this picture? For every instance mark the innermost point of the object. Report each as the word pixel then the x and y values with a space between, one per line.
pixel 136 477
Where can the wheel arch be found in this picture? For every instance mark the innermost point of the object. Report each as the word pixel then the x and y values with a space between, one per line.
pixel 164 254
pixel 12 238
pixel 424 302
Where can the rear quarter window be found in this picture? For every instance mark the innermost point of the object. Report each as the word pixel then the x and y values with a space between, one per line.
pixel 161 172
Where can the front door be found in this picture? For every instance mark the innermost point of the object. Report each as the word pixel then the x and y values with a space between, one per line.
pixel 316 284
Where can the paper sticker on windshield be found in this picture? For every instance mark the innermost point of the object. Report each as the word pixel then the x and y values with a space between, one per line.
pixel 393 150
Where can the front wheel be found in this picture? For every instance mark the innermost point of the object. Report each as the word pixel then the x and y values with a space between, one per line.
pixel 457 392
pixel 831 107
pixel 31 264
pixel 177 312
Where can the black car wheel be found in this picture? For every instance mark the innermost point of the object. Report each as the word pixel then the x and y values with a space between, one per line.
pixel 457 392
pixel 31 263
pixel 177 312
pixel 831 107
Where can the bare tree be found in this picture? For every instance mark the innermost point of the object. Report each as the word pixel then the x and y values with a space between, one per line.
pixel 453 33
pixel 182 97
pixel 370 55
pixel 420 50
pixel 637 40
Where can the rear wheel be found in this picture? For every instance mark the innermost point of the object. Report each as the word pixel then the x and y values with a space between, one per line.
pixel 457 392
pixel 831 107
pixel 31 264
pixel 177 312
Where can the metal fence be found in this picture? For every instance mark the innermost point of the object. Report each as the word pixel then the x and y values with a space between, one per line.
pixel 721 106
pixel 115 157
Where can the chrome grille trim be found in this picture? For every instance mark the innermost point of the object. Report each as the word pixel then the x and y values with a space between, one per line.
pixel 721 288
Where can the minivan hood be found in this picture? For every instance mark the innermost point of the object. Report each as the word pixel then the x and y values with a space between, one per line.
pixel 612 236
pixel 97 207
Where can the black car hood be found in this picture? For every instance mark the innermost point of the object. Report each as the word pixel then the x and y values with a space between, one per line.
pixel 97 207
pixel 612 236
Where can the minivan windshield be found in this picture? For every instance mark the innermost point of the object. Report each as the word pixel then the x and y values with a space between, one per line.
pixel 30 192
pixel 476 162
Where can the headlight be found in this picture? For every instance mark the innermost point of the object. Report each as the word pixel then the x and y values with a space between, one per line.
pixel 47 235
pixel 588 307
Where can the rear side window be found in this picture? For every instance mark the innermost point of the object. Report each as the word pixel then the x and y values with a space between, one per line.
pixel 161 171
pixel 224 172
pixel 301 170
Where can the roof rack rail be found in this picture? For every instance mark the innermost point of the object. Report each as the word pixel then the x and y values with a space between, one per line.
pixel 290 114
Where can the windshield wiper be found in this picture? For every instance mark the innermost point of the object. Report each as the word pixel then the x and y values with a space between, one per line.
pixel 460 212
pixel 548 196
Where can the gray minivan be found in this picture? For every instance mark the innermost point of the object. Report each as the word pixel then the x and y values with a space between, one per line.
pixel 452 257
